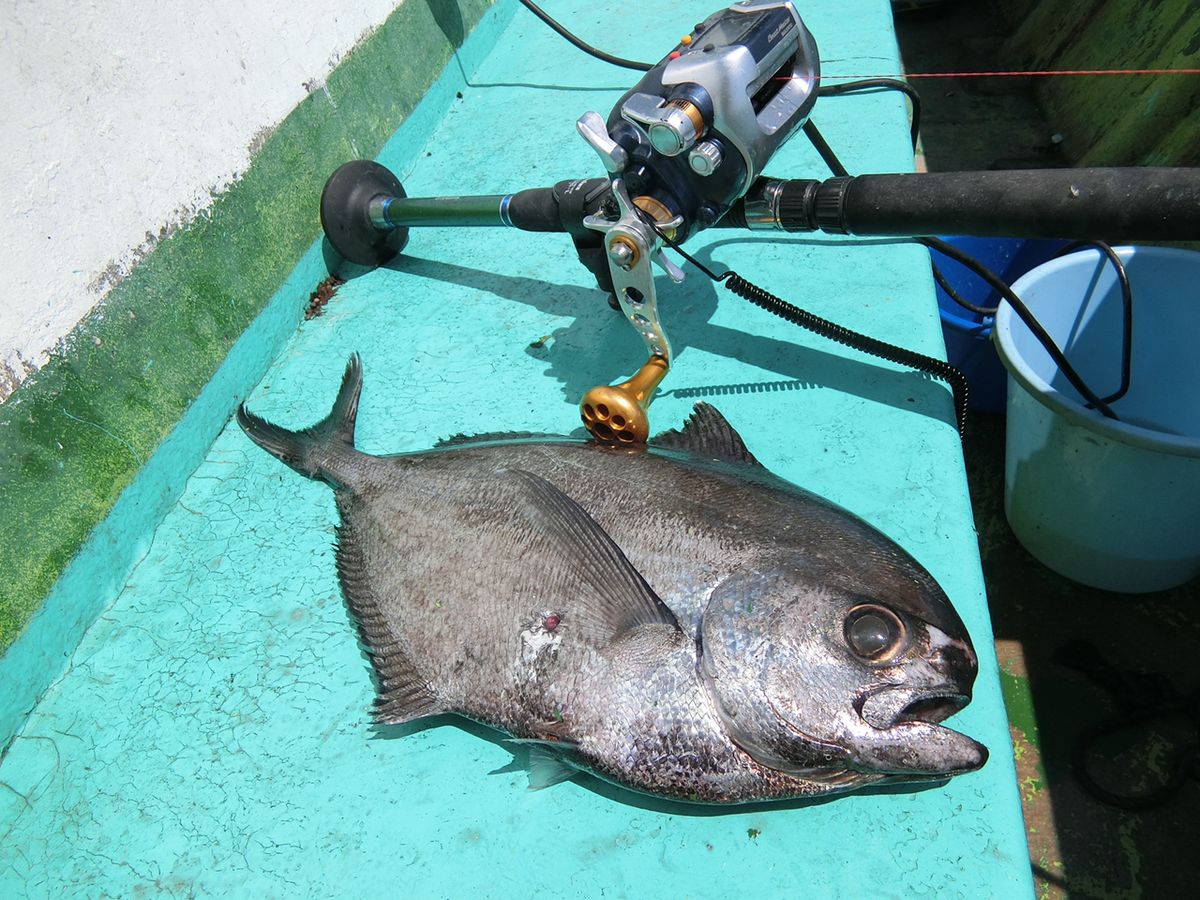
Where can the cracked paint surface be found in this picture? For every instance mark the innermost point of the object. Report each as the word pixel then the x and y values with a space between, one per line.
pixel 211 737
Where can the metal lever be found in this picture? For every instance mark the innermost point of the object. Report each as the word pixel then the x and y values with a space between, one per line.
pixel 593 130
pixel 631 244
pixel 618 413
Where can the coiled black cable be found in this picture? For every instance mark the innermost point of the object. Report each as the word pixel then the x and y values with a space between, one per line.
pixel 930 365
pixel 842 335
pixel 1035 327
pixel 764 299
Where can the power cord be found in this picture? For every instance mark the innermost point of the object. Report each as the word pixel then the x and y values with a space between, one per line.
pixel 768 301
pixel 880 84
pixel 833 331
pixel 585 47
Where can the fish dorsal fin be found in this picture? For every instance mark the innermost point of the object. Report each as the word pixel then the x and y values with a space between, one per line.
pixel 459 440
pixel 707 434
pixel 612 597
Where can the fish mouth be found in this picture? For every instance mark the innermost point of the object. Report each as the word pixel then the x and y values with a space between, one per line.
pixel 897 705
pixel 904 737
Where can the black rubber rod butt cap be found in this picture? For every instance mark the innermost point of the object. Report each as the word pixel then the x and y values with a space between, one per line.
pixel 346 213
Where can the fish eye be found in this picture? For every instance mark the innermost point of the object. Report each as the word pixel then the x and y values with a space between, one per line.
pixel 874 632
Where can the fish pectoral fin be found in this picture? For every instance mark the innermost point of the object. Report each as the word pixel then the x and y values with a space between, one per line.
pixel 549 760
pixel 548 768
pixel 707 434
pixel 605 594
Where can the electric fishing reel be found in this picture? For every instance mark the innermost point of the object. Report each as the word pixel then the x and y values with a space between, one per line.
pixel 684 150
pixel 681 147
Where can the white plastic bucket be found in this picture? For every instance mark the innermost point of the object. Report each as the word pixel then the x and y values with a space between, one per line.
pixel 1110 504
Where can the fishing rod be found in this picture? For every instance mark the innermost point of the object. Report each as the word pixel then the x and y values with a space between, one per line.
pixel 685 150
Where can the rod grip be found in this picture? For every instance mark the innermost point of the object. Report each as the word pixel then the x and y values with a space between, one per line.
pixel 535 209
pixel 560 208
pixel 1111 204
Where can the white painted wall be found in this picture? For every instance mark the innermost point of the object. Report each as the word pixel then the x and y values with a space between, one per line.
pixel 122 117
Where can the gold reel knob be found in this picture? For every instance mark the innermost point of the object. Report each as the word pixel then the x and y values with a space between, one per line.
pixel 616 414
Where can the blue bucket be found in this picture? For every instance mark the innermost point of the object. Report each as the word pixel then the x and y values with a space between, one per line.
pixel 968 334
pixel 1114 504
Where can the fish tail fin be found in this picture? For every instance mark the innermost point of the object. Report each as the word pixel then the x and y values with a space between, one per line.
pixel 313 451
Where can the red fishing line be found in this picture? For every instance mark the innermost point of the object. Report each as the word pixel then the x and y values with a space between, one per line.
pixel 1044 73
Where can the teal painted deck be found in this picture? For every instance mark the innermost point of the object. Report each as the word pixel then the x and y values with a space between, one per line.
pixel 210 736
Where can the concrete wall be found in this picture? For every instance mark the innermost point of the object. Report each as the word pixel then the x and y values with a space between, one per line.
pixel 122 120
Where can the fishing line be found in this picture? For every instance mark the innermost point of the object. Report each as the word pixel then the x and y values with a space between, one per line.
pixel 1032 73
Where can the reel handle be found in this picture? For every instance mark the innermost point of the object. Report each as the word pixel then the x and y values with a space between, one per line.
pixel 616 414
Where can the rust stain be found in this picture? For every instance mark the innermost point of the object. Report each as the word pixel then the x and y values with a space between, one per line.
pixel 322 295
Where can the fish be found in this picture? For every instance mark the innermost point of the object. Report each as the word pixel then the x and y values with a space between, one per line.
pixel 672 618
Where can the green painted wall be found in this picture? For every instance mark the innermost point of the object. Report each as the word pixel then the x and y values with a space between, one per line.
pixel 75 434
pixel 1114 120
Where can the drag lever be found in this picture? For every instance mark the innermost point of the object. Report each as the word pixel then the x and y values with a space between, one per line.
pixel 593 130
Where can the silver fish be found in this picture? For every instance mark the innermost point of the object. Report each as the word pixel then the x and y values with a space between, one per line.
pixel 675 618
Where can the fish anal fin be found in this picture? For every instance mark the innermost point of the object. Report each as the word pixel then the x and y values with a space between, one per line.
pixel 402 693
pixel 406 703
pixel 707 434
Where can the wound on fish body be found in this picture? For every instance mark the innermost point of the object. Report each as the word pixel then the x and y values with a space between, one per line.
pixel 712 655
